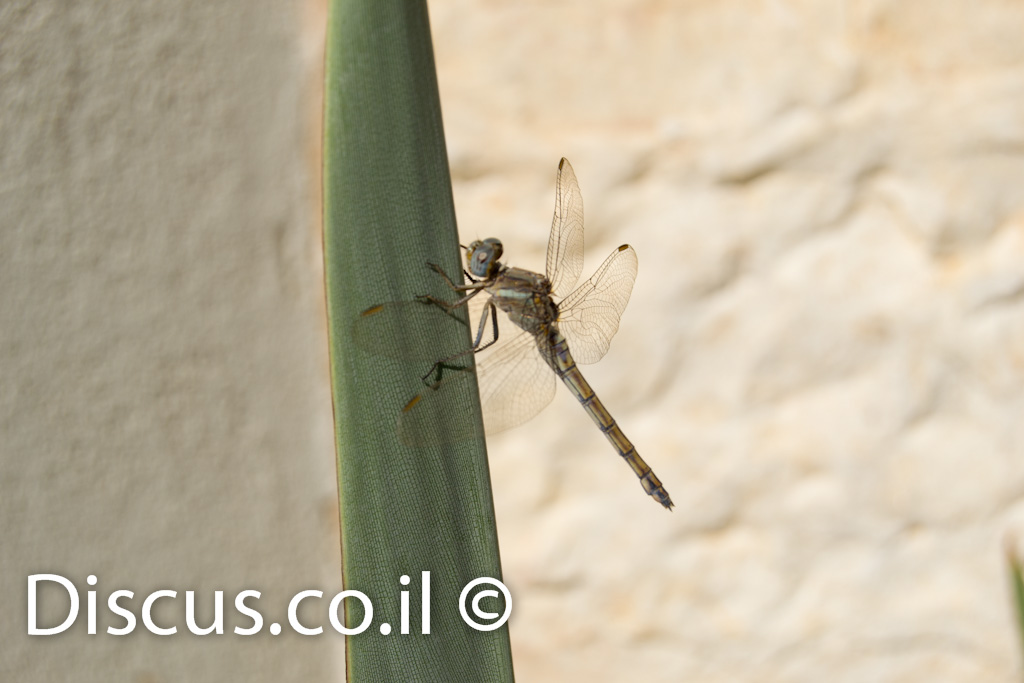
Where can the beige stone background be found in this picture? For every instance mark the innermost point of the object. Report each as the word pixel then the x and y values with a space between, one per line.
pixel 823 356
pixel 822 359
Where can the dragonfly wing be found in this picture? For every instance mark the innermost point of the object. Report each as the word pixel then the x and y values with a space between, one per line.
pixel 379 328
pixel 426 420
pixel 589 317
pixel 565 245
pixel 515 382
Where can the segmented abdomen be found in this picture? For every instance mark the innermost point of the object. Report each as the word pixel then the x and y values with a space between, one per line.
pixel 564 366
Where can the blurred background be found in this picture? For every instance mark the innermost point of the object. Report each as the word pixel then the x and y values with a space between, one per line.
pixel 823 357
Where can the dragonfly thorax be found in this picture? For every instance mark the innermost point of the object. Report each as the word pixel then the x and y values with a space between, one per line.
pixel 482 258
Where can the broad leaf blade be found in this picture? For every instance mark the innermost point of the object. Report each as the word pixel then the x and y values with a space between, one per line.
pixel 387 212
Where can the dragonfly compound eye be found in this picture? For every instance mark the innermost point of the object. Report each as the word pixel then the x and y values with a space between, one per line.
pixel 495 245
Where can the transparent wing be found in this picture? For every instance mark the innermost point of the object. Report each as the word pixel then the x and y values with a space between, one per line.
pixel 515 382
pixel 426 420
pixel 397 329
pixel 589 317
pixel 565 245
pixel 386 330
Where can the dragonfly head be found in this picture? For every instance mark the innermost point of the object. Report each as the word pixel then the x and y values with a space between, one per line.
pixel 482 258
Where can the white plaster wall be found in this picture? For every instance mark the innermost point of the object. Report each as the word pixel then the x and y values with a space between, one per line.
pixel 164 403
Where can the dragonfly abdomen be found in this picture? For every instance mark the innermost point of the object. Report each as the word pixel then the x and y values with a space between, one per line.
pixel 562 363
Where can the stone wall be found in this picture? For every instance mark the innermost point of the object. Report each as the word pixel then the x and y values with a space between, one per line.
pixel 823 357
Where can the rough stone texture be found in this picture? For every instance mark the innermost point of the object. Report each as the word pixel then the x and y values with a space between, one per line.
pixel 165 415
pixel 823 358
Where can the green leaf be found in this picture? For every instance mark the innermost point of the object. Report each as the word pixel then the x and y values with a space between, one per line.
pixel 1017 579
pixel 388 212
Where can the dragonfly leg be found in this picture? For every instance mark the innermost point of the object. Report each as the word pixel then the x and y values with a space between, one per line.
pixel 474 288
pixel 475 285
pixel 483 322
pixel 427 298
pixel 481 328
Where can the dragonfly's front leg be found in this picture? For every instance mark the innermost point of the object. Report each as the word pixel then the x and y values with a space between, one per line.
pixel 458 288
pixel 476 347
pixel 473 290
pixel 444 304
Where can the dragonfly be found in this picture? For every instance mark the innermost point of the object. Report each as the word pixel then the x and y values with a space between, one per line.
pixel 544 317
